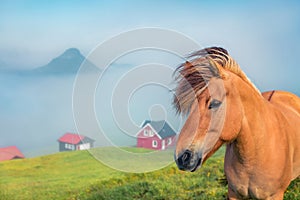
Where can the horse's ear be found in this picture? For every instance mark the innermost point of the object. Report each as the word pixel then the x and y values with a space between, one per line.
pixel 187 65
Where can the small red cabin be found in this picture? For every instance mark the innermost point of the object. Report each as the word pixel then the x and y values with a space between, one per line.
pixel 73 141
pixel 10 153
pixel 157 135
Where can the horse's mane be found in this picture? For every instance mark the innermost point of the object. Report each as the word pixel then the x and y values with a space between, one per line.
pixel 194 75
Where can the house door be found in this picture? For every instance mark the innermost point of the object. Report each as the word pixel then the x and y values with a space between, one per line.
pixel 163 145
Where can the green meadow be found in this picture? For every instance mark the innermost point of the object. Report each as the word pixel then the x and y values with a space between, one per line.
pixel 78 175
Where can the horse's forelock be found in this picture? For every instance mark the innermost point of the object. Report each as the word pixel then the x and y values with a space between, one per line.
pixel 194 75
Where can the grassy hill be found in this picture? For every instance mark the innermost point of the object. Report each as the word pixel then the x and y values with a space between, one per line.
pixel 78 175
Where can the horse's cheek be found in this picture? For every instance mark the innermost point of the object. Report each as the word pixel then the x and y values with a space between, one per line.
pixel 232 127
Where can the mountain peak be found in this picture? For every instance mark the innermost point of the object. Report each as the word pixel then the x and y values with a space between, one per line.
pixel 71 52
pixel 67 63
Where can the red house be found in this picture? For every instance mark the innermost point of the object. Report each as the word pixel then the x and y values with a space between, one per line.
pixel 156 135
pixel 10 153
pixel 73 141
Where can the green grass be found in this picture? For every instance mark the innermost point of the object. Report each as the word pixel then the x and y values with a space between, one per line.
pixel 78 175
pixel 57 176
pixel 167 183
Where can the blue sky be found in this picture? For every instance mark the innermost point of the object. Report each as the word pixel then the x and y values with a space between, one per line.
pixel 32 31
pixel 263 36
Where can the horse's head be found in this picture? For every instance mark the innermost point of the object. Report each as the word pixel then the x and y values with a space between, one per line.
pixel 206 94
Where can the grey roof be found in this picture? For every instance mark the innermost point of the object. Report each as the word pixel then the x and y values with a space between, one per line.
pixel 162 128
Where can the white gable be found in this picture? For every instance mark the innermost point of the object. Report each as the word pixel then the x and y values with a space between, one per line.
pixel 154 131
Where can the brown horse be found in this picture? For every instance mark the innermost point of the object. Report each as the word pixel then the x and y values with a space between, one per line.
pixel 261 131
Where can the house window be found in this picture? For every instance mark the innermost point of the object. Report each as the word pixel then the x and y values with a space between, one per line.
pixel 69 146
pixel 146 132
pixel 151 133
pixel 154 143
pixel 169 141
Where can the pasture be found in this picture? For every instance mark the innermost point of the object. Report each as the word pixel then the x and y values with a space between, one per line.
pixel 77 175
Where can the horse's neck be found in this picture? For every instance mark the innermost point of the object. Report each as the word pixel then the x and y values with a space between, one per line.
pixel 254 132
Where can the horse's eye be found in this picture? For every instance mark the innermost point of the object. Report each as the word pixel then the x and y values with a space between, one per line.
pixel 214 104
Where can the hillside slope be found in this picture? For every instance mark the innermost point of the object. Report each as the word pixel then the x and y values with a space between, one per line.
pixel 57 176
pixel 77 175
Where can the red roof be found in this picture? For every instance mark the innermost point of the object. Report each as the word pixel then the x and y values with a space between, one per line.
pixel 71 138
pixel 9 153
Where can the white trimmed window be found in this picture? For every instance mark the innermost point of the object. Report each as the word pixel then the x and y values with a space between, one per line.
pixel 169 141
pixel 69 146
pixel 146 132
pixel 151 133
pixel 154 143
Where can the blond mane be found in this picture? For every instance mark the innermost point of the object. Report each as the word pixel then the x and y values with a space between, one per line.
pixel 194 75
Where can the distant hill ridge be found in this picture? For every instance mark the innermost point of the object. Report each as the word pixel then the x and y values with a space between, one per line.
pixel 67 63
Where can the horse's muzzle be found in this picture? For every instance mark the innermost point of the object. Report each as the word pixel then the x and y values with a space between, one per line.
pixel 188 161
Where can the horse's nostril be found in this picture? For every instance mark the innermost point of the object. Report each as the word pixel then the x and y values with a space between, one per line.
pixel 185 158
